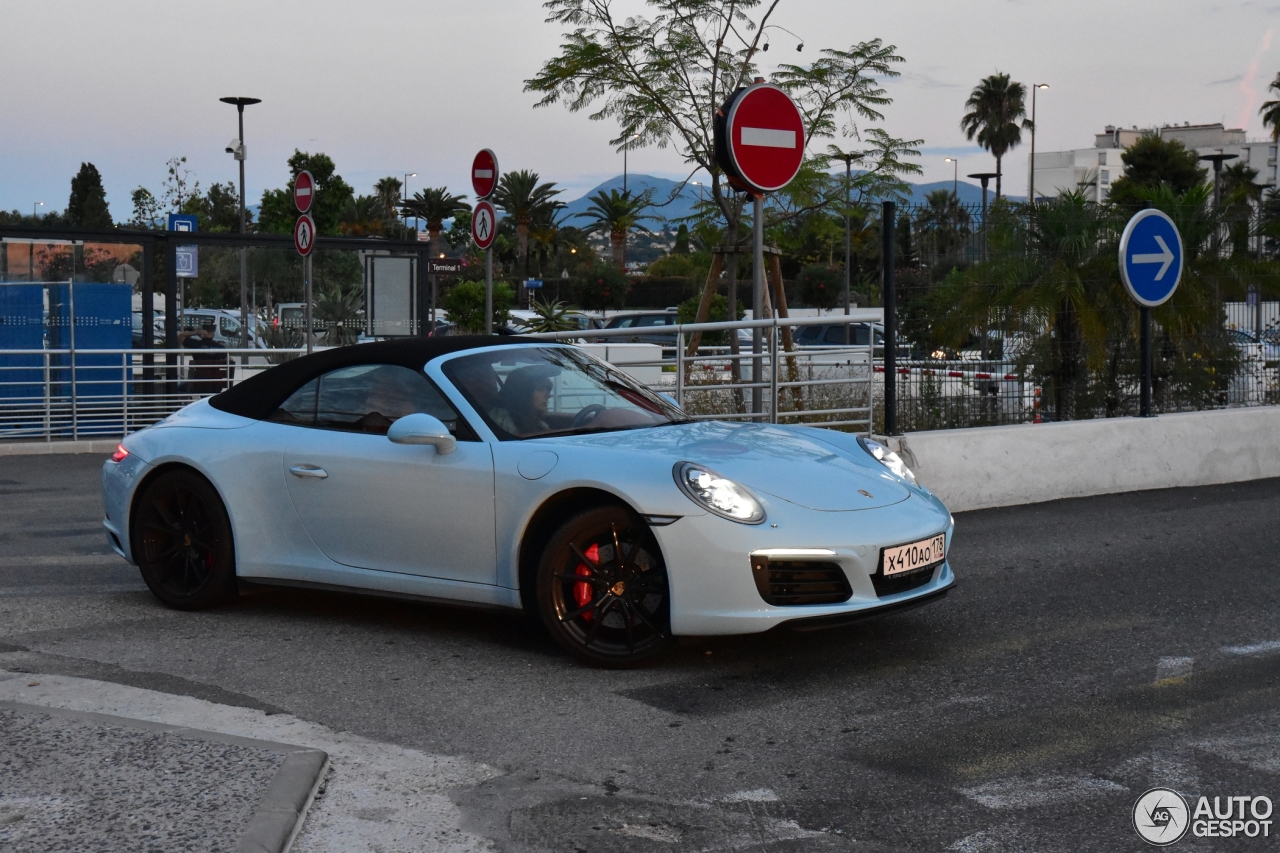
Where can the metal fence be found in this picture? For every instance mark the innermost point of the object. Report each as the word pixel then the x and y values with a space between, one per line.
pixel 1017 313
pixel 69 394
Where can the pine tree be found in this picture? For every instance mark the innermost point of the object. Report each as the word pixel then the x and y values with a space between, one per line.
pixel 87 206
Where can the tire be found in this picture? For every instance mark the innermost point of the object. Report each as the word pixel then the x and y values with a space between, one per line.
pixel 606 612
pixel 182 541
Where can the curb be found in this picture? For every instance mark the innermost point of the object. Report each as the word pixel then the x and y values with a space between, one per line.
pixel 48 448
pixel 278 818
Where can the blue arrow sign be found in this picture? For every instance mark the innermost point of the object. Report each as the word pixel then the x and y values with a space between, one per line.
pixel 1151 258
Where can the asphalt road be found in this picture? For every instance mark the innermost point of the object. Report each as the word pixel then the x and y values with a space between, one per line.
pixel 1094 648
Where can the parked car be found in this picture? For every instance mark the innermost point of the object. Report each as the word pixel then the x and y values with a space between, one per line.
pixel 226 325
pixel 157 330
pixel 837 335
pixel 527 476
pixel 1265 349
pixel 647 325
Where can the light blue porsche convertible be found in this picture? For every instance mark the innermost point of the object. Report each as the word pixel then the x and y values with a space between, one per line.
pixel 521 474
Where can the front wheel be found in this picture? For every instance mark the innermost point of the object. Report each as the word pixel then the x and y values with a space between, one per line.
pixel 602 589
pixel 182 541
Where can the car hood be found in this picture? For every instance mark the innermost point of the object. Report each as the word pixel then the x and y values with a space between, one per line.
pixel 779 461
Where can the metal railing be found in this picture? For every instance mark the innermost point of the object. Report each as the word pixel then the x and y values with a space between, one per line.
pixel 831 386
pixel 57 394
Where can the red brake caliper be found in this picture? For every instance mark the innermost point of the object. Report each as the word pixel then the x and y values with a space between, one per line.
pixel 582 592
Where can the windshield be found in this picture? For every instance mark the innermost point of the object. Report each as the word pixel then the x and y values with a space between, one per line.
pixel 529 392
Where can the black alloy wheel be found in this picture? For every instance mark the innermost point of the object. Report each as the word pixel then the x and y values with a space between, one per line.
pixel 182 541
pixel 602 589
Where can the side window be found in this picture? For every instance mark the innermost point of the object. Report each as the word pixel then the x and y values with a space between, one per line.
pixel 626 323
pixel 809 334
pixel 835 335
pixel 367 398
pixel 861 335
pixel 300 408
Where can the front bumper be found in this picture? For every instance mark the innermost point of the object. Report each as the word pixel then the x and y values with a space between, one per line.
pixel 709 564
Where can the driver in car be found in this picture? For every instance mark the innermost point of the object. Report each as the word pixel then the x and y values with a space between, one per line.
pixel 523 401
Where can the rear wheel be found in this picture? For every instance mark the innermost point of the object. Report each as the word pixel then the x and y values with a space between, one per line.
pixel 602 588
pixel 182 541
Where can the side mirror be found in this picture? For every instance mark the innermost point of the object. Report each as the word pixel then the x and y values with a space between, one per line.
pixel 421 428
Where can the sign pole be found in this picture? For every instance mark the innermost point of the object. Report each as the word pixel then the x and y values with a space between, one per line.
pixel 306 299
pixel 757 302
pixel 488 291
pixel 1144 321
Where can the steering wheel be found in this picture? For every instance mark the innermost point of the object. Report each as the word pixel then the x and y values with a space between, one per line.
pixel 587 415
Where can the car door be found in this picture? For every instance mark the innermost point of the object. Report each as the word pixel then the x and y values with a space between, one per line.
pixel 372 504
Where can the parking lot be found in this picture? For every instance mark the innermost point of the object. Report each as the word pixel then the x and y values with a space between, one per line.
pixel 1093 649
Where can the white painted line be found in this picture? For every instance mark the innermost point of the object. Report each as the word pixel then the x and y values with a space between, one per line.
pixel 759 795
pixel 484 173
pixel 1173 668
pixel 767 137
pixel 1266 648
pixel 1016 793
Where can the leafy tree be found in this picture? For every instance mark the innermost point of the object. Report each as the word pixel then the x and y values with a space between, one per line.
pixel 146 210
pixel 663 77
pixel 435 205
pixel 617 214
pixel 87 205
pixel 526 201
pixel 218 209
pixel 603 287
pixel 682 240
pixel 995 106
pixel 1240 195
pixel 821 286
pixel 1270 111
pixel 177 184
pixel 718 312
pixel 465 304
pixel 278 214
pixel 1152 161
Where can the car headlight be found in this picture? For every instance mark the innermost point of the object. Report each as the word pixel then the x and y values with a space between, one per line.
pixel 718 494
pixel 888 459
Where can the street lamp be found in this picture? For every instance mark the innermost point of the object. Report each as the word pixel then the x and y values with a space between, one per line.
pixel 698 184
pixel 955 176
pixel 626 145
pixel 404 196
pixel 237 150
pixel 1031 184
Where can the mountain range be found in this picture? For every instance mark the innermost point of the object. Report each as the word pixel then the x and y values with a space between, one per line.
pixel 684 203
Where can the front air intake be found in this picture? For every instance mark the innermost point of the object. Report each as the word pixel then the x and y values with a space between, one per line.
pixel 788 583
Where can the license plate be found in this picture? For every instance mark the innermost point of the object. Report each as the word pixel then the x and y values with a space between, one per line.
pixel 917 555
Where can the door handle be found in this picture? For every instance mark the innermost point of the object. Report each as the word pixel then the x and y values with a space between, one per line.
pixel 312 471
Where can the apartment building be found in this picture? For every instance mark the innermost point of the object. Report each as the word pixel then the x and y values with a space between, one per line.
pixel 1095 169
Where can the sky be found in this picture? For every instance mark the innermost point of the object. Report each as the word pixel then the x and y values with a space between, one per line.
pixel 387 87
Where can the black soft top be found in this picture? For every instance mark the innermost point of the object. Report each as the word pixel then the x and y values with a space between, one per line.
pixel 259 396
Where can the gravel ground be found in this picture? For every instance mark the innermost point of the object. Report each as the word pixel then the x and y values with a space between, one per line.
pixel 70 785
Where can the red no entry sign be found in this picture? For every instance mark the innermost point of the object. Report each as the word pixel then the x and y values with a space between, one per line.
pixel 484 173
pixel 304 192
pixel 304 234
pixel 484 224
pixel 766 137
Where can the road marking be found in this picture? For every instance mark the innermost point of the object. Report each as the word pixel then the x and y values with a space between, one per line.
pixel 1266 648
pixel 1022 793
pixel 767 137
pixel 1173 670
pixel 759 795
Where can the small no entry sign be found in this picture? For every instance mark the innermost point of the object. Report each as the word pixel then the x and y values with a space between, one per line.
pixel 484 173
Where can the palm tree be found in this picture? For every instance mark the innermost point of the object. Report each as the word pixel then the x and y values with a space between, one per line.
pixel 995 105
pixel 388 192
pixel 945 220
pixel 617 214
pixel 526 201
pixel 435 205
pixel 1270 112
pixel 363 216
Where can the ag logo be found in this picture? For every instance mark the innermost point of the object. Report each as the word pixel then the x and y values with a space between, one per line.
pixel 1161 816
